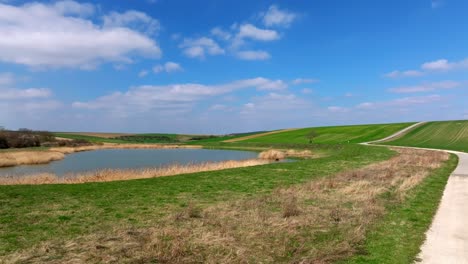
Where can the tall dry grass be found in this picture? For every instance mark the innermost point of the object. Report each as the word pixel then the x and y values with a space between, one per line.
pixel 9 159
pixel 322 221
pixel 275 154
pixel 107 175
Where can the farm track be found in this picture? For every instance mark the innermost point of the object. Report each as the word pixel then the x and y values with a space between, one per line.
pixel 447 238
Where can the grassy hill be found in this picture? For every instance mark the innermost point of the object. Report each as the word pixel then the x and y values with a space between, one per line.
pixel 451 135
pixel 333 135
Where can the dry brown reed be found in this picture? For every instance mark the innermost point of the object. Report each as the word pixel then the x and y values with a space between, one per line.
pixel 272 154
pixel 9 159
pixel 321 221
pixel 107 175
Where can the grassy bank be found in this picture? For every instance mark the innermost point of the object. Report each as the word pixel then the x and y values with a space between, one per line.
pixel 451 135
pixel 31 214
pixel 312 210
pixel 333 135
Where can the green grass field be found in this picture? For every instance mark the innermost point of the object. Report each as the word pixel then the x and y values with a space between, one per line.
pixel 334 135
pixel 98 212
pixel 452 135
pixel 30 214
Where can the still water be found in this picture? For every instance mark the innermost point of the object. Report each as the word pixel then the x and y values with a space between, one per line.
pixel 128 158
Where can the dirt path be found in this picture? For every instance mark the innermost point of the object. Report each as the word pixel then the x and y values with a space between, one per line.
pixel 447 238
pixel 259 135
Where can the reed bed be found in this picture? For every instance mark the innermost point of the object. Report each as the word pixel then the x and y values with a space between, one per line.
pixel 9 159
pixel 107 175
pixel 274 154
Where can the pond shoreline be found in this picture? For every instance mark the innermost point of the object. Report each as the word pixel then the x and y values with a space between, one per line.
pixel 33 157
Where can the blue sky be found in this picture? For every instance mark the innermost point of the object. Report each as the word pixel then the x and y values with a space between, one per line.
pixel 230 66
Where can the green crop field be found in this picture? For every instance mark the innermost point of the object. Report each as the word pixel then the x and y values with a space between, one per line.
pixel 451 135
pixel 333 135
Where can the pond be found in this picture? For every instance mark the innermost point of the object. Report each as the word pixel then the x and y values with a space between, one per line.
pixel 128 159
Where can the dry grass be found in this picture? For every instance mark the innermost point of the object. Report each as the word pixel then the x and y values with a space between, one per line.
pixel 321 221
pixel 107 175
pixel 272 154
pixel 15 158
pixel 9 159
pixel 277 155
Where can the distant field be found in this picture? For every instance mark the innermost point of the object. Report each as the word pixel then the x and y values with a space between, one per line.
pixel 451 135
pixel 152 137
pixel 333 135
pixel 96 134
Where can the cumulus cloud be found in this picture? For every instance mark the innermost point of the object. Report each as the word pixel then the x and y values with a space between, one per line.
pixel 253 55
pixel 221 34
pixel 276 17
pixel 426 87
pixel 59 35
pixel 133 19
pixel 252 32
pixel 199 48
pixel 168 67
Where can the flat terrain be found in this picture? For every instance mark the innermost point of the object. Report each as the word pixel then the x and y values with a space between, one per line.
pixel 333 135
pixel 451 135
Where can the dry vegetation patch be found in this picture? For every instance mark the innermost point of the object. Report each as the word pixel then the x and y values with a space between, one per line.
pixel 107 175
pixel 321 221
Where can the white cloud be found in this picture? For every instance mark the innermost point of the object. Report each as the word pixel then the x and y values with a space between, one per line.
pixel 304 80
pixel 69 7
pixel 168 67
pixel 438 65
pixel 221 34
pixel 133 19
pixel 276 17
pixel 409 73
pixel 426 87
pixel 142 73
pixel 252 32
pixel 16 94
pixel 401 102
pixel 199 48
pixel 253 55
pixel 441 65
pixel 177 96
pixel 57 35
pixel 307 91
pixel 338 109
pixel 6 79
